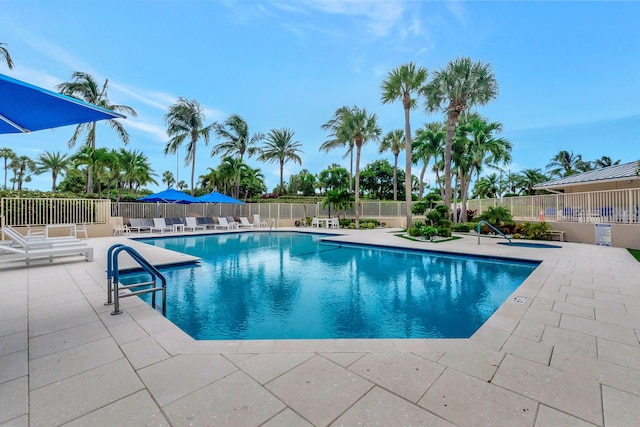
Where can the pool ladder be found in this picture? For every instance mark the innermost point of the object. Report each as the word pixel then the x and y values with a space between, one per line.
pixel 113 279
pixel 494 229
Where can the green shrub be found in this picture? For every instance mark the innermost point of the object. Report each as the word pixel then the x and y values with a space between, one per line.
pixel 444 232
pixel 428 231
pixel 461 228
pixel 534 231
pixel 414 231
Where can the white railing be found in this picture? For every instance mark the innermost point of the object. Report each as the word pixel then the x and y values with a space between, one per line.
pixel 610 206
pixel 34 211
pixel 265 210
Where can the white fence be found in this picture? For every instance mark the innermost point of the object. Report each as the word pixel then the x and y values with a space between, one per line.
pixel 34 211
pixel 265 210
pixel 610 206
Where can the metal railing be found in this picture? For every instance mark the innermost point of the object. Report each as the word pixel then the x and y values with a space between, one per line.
pixel 113 279
pixel 608 206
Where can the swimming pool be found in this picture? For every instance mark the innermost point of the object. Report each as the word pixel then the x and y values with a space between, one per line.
pixel 288 285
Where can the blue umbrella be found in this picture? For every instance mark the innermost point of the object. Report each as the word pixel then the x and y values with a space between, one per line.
pixel 25 108
pixel 215 197
pixel 170 196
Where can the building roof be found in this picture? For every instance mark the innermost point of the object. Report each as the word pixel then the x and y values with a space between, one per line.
pixel 626 171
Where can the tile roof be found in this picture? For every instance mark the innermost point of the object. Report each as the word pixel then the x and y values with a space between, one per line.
pixel 611 173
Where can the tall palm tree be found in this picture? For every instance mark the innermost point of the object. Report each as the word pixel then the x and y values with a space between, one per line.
pixel 564 164
pixel 280 147
pixel 362 127
pixel 168 179
pixel 84 87
pixel 480 146
pixel 55 163
pixel 4 54
pixel 428 143
pixel 454 89
pixel 338 138
pixel 235 140
pixel 404 83
pixel 7 154
pixel 185 123
pixel 394 141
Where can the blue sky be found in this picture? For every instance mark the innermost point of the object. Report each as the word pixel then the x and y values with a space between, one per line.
pixel 568 72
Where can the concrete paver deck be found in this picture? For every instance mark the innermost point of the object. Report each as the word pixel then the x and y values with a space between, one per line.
pixel 569 355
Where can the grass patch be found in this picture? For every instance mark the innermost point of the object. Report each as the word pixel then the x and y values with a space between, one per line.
pixel 635 253
pixel 404 236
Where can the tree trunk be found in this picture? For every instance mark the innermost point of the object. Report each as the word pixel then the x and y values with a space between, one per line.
pixel 451 129
pixel 357 195
pixel 407 155
pixel 395 178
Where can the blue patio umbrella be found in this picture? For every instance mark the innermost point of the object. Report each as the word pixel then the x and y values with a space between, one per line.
pixel 216 197
pixel 25 108
pixel 170 196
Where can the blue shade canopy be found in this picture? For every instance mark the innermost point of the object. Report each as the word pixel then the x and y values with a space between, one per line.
pixel 215 197
pixel 170 196
pixel 25 108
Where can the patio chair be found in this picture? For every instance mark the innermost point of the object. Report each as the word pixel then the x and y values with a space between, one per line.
pixel 20 248
pixel 119 227
pixel 232 222
pixel 244 223
pixel 138 224
pixel 211 223
pixel 36 241
pixel 334 223
pixel 191 224
pixel 222 223
pixel 160 225
pixel 315 222
pixel 257 222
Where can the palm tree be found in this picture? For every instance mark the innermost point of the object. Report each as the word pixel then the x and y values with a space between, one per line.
pixel 168 179
pixel 236 140
pixel 4 54
pixel 21 166
pixel 54 162
pixel 393 141
pixel 185 123
pixel 252 182
pixel 403 83
pixel 280 147
pixel 85 88
pixel 7 154
pixel 230 171
pixel 487 187
pixel 480 146
pixel 564 164
pixel 362 127
pixel 136 170
pixel 428 143
pixel 454 89
pixel 528 178
pixel 339 138
pixel 605 162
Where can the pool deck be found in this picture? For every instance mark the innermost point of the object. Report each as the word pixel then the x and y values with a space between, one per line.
pixel 568 356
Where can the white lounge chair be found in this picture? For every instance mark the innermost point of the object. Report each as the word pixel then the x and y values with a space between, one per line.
pixel 160 225
pixel 244 223
pixel 36 241
pixel 222 223
pixel 315 222
pixel 257 222
pixel 333 223
pixel 22 249
pixel 192 224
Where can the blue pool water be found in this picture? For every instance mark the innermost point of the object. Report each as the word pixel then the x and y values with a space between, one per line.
pixel 293 285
